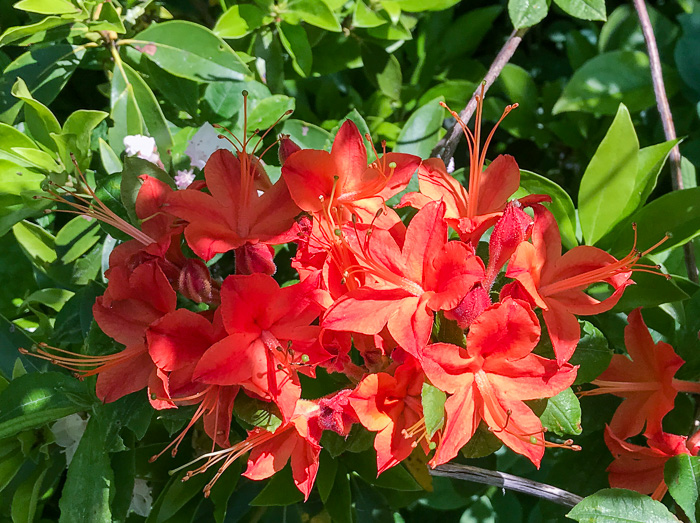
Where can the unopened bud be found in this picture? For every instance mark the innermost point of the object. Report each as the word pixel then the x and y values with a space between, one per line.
pixel 195 283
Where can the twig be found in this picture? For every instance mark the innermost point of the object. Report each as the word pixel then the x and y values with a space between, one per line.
pixel 508 481
pixel 666 119
pixel 445 148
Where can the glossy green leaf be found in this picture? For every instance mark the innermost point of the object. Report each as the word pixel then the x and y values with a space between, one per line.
pixel 131 183
pixel 651 290
pixel 108 20
pixel 526 13
pixel 38 159
pixel 327 468
pixel 433 402
pixel 563 414
pixel 682 476
pixel 296 42
pixel 224 98
pixel 239 21
pixel 314 12
pixel 584 9
pixel 37 32
pixel 421 131
pixel 483 443
pixel 47 7
pixel 54 298
pixel 110 161
pixel 619 505
pixel 339 502
pixel 677 213
pixel 37 117
pixel 561 205
pixel 592 354
pixel 364 16
pixel 140 105
pixel 76 238
pixel 223 489
pixel 191 51
pixel 609 178
pixel 395 478
pixel 383 70
pixel 11 139
pixel 38 244
pixel 35 399
pixel 465 34
pixel 268 110
pixel 9 467
pixel 607 80
pixel 45 70
pixel 80 124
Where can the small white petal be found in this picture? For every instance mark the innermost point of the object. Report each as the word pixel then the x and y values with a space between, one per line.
pixel 203 144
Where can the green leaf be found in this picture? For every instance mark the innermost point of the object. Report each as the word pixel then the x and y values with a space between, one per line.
pixel 38 159
pixel 81 124
pixel 327 469
pixel 108 190
pixel 9 467
pixel 483 443
pixel 306 135
pixel 609 79
pixel 526 13
pixel 175 496
pixel 47 7
pixel 677 213
pixel 296 42
pixel 190 51
pixel 563 414
pixel 682 476
pixel 45 70
pixel 592 354
pixel 35 399
pixel 418 6
pixel 224 98
pixel 268 110
pixel 433 401
pixel 584 9
pixel 37 32
pixel 90 478
pixel 11 339
pixel 619 505
pixel 686 57
pixel 422 130
pixel 279 491
pixel 561 205
pixel 108 20
pixel 223 489
pixel 131 184
pixel 609 178
pixel 11 139
pixel 314 12
pixel 54 298
pixel 26 497
pixel 339 501
pixel 383 70
pixel 110 160
pixel 239 21
pixel 38 245
pixel 75 239
pixel 363 16
pixel 651 291
pixel 465 34
pixel 134 107
pixel 396 478
pixel 37 117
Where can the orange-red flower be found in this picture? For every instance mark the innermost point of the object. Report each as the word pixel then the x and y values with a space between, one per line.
pixel 642 468
pixel 645 379
pixel 492 377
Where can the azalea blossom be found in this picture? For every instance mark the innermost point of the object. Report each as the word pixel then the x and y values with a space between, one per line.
pixel 645 379
pixel 143 147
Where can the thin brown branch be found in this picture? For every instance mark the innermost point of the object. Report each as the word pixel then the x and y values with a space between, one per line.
pixel 666 119
pixel 507 481
pixel 445 148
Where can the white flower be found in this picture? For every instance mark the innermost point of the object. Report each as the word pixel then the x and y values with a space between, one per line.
pixel 184 178
pixel 203 144
pixel 67 432
pixel 141 499
pixel 143 147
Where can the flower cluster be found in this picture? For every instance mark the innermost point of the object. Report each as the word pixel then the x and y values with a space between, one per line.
pixel 397 309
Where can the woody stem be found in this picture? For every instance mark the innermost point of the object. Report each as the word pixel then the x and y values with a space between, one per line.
pixel 666 118
pixel 507 481
pixel 445 148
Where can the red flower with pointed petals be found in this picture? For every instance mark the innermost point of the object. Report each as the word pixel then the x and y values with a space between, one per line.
pixel 642 468
pixel 234 213
pixel 645 379
pixel 391 407
pixel 557 283
pixel 270 339
pixel 490 379
pixel 340 183
pixel 426 274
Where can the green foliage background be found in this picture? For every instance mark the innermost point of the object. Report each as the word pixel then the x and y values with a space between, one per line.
pixel 78 76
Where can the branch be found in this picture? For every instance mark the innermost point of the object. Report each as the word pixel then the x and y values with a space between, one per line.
pixel 507 481
pixel 666 118
pixel 445 148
